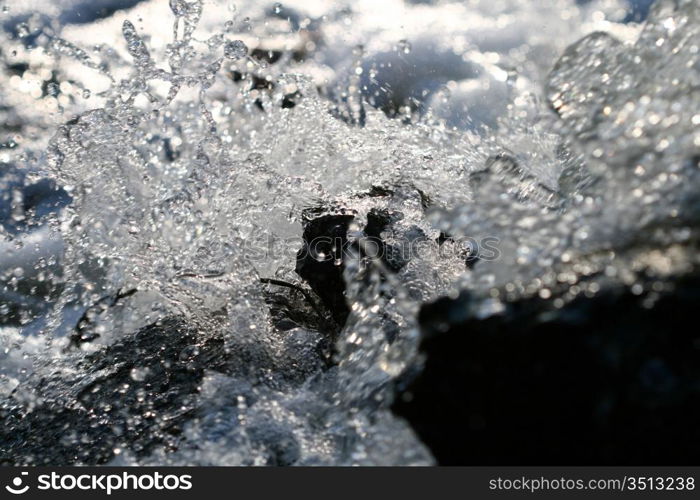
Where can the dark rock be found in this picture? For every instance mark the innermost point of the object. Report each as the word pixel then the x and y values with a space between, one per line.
pixel 319 262
pixel 377 221
pixel 603 380
pixel 291 100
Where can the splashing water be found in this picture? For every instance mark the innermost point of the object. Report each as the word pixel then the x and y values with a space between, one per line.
pixel 149 286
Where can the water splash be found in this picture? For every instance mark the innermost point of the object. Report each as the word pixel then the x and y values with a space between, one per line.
pixel 190 168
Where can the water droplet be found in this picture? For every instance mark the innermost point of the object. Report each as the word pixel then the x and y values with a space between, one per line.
pixel 277 8
pixel 86 94
pixel 235 49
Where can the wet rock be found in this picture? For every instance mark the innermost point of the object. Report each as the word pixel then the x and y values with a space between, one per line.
pixel 378 220
pixel 605 380
pixel 322 260
pixel 291 100
pixel 319 262
pixel 380 232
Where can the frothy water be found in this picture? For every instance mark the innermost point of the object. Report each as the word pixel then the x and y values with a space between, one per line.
pixel 159 166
